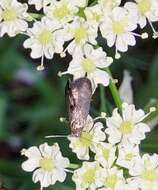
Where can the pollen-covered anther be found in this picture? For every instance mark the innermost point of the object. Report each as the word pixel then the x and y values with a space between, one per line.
pixel 40 68
pixel 23 151
pixel 63 54
pixel 62 119
pixel 144 35
pixel 152 109
pixel 114 81
pixel 103 115
pixel 60 74
pixel 117 55
pixel 155 35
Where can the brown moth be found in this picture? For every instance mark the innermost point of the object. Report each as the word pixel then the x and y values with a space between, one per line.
pixel 78 94
pixel 2 187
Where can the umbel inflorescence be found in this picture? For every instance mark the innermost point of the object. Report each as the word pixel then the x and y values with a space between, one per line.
pixel 78 23
pixel 73 27
pixel 116 164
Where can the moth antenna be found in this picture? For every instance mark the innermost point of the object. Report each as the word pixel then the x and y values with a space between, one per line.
pixel 57 136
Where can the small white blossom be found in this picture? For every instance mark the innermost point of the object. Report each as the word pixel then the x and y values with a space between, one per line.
pixel 105 154
pixel 39 4
pixel 91 135
pixel 13 16
pixel 44 39
pixel 85 177
pixel 117 29
pixel 47 163
pixel 80 32
pixel 94 15
pixel 109 4
pixel 146 11
pixel 145 172
pixel 127 153
pixel 110 179
pixel 62 11
pixel 127 128
pixel 90 63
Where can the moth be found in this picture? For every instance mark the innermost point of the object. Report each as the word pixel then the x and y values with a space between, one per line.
pixel 78 98
pixel 2 187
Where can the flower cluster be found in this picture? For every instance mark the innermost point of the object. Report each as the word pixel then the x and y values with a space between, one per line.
pixel 75 28
pixel 117 162
pixel 47 163
pixel 77 24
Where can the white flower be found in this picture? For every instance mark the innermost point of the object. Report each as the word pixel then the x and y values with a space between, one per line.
pixel 109 4
pixel 94 15
pixel 80 32
pixel 110 179
pixel 117 27
pixel 145 172
pixel 13 17
pixel 80 3
pixel 90 63
pixel 47 163
pixel 39 4
pixel 128 127
pixel 131 184
pixel 44 39
pixel 105 154
pixel 146 10
pixel 125 90
pixel 85 177
pixel 127 153
pixel 63 11
pixel 91 135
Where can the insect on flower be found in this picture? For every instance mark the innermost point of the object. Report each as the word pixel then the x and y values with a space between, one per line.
pixel 78 95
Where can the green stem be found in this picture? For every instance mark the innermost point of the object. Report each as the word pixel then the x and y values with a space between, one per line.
pixel 114 92
pixel 102 99
pixel 36 15
pixel 74 166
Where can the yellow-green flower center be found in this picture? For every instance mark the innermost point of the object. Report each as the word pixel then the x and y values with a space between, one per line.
pixel 111 181
pixel 129 157
pixel 45 37
pixel 47 164
pixel 86 139
pixel 9 15
pixel 105 153
pixel 61 11
pixel 88 66
pixel 96 17
pixel 119 26
pixel 80 34
pixel 150 175
pixel 126 127
pixel 88 178
pixel 144 6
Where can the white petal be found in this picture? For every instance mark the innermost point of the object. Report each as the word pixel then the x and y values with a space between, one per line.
pixel 30 165
pixel 101 77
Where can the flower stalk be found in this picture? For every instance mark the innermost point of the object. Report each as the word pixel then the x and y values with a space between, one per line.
pixel 114 91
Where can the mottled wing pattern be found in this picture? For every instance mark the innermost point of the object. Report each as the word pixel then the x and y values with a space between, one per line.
pixel 78 93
